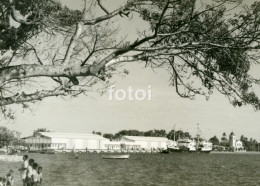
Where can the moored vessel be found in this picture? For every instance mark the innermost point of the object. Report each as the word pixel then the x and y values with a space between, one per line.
pixel 115 156
pixel 190 145
pixel 48 151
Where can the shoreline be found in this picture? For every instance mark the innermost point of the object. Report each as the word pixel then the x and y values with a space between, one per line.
pixel 238 152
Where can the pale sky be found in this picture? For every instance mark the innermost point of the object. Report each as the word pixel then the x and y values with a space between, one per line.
pixel 86 114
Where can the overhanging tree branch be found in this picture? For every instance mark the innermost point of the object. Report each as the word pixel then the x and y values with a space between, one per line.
pixel 210 49
pixel 37 96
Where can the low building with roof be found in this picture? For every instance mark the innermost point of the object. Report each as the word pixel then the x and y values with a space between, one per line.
pixel 143 142
pixel 57 140
pixel 232 143
pixel 92 142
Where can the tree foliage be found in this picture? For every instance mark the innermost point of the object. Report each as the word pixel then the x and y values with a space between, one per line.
pixel 214 140
pixel 40 130
pixel 179 134
pixel 8 137
pixel 98 133
pixel 129 133
pixel 150 133
pixel 206 45
pixel 108 136
pixel 224 136
pixel 250 144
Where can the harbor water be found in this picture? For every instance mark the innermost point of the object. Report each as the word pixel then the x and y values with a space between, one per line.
pixel 144 169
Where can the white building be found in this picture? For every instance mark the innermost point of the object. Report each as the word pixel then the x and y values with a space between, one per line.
pixel 143 142
pixel 63 141
pixel 239 145
pixel 55 140
pixel 233 142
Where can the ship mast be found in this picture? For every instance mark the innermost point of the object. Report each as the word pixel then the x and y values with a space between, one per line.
pixel 174 133
pixel 198 134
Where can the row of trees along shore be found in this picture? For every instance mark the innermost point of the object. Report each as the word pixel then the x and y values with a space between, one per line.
pixel 179 134
pixel 249 144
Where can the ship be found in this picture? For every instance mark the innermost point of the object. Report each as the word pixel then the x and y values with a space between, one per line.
pixel 205 146
pixel 190 145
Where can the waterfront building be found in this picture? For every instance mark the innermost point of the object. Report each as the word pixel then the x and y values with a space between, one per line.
pixel 232 140
pixel 234 143
pixel 147 142
pixel 92 142
pixel 138 143
pixel 62 141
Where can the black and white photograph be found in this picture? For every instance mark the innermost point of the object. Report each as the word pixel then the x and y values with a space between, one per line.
pixel 129 92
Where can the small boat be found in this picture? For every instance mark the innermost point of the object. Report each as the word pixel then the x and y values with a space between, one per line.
pixel 34 151
pixel 165 151
pixel 115 156
pixel 48 151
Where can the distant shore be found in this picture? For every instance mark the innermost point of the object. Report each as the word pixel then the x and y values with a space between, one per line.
pixel 236 152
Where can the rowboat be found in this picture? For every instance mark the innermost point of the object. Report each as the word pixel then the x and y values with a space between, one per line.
pixel 116 156
pixel 48 151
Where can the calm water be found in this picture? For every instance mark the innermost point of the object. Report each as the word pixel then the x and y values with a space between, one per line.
pixel 146 169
